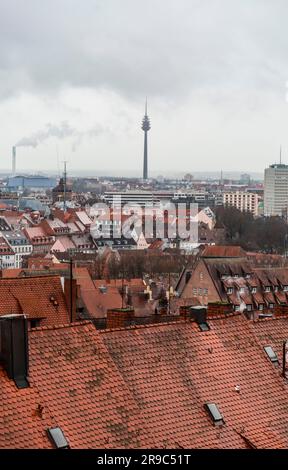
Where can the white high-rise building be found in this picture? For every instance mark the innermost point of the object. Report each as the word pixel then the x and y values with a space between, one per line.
pixel 276 190
pixel 242 200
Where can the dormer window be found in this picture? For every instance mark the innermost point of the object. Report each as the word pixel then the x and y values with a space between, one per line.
pixel 230 290
pixel 261 306
pixel 276 289
pixel 267 289
pixel 241 290
pixel 254 290
pixel 249 307
pixel 285 288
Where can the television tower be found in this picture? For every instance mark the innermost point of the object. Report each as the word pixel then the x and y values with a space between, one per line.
pixel 146 127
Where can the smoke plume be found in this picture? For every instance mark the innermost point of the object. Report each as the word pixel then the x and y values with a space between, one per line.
pixel 51 130
pixel 61 131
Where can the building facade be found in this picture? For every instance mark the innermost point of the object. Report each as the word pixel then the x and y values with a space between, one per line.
pixel 19 245
pixel 242 200
pixel 276 190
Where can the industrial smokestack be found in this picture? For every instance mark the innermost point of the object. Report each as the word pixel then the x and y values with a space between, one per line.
pixel 14 160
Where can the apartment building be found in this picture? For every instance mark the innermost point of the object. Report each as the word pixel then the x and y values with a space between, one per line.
pixel 242 200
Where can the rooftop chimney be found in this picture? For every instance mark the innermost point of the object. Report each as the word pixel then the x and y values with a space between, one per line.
pixel 14 160
pixel 14 348
pixel 198 313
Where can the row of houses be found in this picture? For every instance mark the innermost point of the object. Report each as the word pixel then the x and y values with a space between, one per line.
pixel 227 275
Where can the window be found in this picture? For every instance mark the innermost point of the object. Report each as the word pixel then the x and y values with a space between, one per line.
pixel 237 308
pixel 254 290
pixel 230 290
pixel 214 413
pixel 194 291
pixel 201 276
pixel 204 326
pixel 249 307
pixel 242 290
pixel 57 437
pixel 271 354
pixel 199 291
pixel 205 291
pixel 267 289
pixel 260 306
pixel 271 305
pixel 285 288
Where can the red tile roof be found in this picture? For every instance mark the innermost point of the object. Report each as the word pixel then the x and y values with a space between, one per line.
pixel 215 251
pixel 146 387
pixel 21 424
pixel 96 302
pixel 83 278
pixel 11 272
pixel 32 297
pixel 81 386
pixel 172 370
pixel 272 332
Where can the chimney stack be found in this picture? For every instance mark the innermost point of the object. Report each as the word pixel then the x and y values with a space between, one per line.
pixel 14 160
pixel 198 313
pixel 14 348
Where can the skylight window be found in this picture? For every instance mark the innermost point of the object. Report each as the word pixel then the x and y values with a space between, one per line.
pixel 204 326
pixel 271 354
pixel 214 413
pixel 57 437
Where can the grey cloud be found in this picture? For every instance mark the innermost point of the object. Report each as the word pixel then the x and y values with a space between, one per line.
pixel 157 47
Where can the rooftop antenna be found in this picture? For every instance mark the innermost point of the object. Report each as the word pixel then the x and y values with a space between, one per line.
pixel 65 183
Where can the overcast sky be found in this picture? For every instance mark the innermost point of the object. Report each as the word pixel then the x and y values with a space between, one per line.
pixel 74 75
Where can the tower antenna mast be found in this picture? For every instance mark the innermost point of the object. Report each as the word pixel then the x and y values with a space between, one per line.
pixel 145 127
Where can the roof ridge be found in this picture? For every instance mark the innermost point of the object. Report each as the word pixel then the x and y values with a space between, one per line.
pixel 66 325
pixel 144 326
pixel 56 276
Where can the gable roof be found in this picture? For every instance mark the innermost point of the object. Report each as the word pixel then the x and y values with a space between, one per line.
pixel 173 370
pixel 74 385
pixel 146 387
pixel 81 386
pixel 32 296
